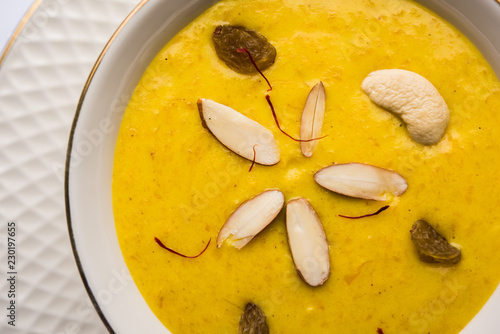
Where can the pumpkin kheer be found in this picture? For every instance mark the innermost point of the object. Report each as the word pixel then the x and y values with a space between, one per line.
pixel 174 181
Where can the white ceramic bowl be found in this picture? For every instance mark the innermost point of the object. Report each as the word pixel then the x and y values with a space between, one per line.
pixel 91 148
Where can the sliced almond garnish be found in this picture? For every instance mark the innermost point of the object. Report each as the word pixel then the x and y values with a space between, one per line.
pixel 250 218
pixel 312 119
pixel 307 241
pixel 239 133
pixel 361 181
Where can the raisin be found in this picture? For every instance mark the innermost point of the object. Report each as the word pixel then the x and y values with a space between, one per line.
pixel 228 39
pixel 253 321
pixel 432 247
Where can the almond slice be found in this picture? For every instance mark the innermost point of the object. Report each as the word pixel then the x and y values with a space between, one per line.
pixel 312 119
pixel 361 181
pixel 239 133
pixel 307 241
pixel 250 218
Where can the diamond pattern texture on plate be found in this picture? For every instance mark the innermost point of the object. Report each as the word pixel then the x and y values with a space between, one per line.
pixel 41 80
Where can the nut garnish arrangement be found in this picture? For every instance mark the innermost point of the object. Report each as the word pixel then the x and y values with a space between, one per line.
pixel 405 93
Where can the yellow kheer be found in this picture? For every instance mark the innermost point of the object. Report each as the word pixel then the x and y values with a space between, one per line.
pixel 173 180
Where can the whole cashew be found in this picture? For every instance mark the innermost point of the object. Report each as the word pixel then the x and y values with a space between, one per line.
pixel 414 99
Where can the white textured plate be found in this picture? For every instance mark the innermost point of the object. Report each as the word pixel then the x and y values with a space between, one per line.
pixel 90 159
pixel 41 78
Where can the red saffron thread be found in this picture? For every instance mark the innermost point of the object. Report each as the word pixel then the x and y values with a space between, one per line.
pixel 380 331
pixel 368 215
pixel 254 157
pixel 245 50
pixel 158 241
pixel 268 98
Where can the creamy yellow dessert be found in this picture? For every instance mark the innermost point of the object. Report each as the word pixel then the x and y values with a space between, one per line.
pixel 174 181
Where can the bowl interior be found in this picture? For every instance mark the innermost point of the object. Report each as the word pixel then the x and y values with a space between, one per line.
pixel 95 130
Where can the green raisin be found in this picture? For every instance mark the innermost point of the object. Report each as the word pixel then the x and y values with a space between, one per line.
pixel 432 247
pixel 253 321
pixel 228 39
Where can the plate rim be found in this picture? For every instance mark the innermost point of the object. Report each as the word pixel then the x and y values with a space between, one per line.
pixel 67 165
pixel 71 146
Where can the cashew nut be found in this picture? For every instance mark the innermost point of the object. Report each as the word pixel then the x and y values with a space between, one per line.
pixel 414 99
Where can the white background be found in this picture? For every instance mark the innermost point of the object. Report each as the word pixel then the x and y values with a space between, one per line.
pixel 11 14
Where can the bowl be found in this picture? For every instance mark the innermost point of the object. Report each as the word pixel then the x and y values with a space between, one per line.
pixel 95 129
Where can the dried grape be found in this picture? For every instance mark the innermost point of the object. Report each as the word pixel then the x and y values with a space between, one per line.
pixel 253 321
pixel 228 39
pixel 432 247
